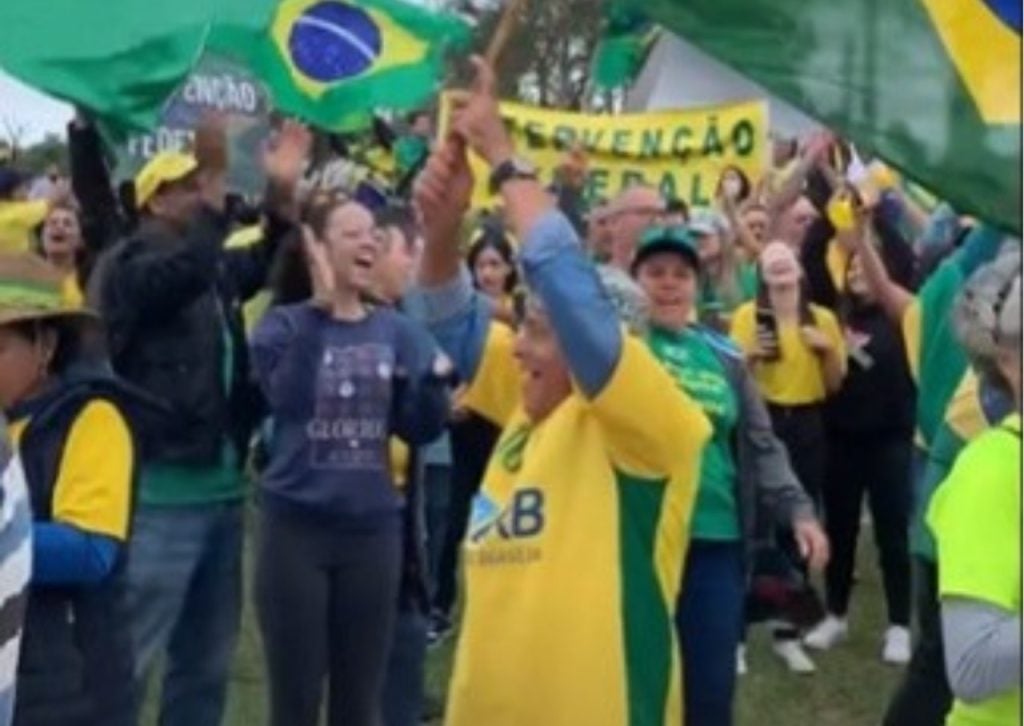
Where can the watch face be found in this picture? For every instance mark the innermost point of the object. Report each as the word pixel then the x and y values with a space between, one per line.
pixel 523 168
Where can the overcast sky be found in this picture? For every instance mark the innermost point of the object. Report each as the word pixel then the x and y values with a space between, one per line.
pixel 31 109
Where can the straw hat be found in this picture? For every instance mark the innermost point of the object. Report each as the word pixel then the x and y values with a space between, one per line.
pixel 31 289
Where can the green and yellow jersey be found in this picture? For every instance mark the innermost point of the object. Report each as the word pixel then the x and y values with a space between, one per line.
pixel 575 549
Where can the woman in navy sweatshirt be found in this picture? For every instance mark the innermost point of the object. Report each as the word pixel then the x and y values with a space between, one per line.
pixel 341 378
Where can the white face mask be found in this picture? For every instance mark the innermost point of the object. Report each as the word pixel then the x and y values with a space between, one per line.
pixel 731 186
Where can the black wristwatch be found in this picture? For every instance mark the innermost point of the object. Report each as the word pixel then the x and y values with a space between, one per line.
pixel 513 168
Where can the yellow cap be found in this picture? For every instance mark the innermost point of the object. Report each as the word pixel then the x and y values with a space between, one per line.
pixel 165 167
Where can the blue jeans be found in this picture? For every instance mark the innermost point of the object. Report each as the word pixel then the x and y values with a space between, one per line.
pixel 403 689
pixel 709 619
pixel 437 490
pixel 184 599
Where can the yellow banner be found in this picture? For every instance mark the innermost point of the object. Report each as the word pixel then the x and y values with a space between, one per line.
pixel 681 152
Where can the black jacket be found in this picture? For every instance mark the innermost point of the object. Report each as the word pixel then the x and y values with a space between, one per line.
pixel 76 659
pixel 167 299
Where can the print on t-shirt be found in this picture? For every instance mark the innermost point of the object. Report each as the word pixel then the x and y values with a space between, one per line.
pixel 353 391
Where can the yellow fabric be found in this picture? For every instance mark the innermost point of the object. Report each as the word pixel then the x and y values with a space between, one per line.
pixel 72 292
pixel 165 167
pixel 494 391
pixel 964 414
pixel 797 378
pixel 93 489
pixel 625 149
pixel 543 633
pixel 976 518
pixel 17 221
pixel 399 462
pixel 837 259
pixel 244 237
pixel 912 337
pixel 911 325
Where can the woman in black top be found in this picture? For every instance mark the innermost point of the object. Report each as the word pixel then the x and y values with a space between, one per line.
pixel 869 425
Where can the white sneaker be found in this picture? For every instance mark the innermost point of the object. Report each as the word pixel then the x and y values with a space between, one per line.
pixel 741 660
pixel 827 634
pixel 897 645
pixel 793 656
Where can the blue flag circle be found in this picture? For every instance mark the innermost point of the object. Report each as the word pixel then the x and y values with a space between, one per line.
pixel 333 41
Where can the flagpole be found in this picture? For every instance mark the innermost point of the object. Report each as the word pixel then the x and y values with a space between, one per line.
pixel 507 23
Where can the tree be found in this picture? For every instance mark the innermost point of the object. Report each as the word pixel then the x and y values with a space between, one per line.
pixel 547 59
pixel 51 151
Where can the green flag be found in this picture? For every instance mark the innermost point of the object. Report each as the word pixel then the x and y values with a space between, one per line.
pixel 118 58
pixel 332 62
pixel 625 42
pixel 932 86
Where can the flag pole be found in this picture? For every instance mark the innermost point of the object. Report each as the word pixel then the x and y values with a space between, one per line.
pixel 507 23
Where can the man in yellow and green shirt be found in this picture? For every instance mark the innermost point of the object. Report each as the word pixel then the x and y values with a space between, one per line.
pixel 576 541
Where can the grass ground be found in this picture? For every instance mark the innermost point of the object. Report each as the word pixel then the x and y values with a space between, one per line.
pixel 851 687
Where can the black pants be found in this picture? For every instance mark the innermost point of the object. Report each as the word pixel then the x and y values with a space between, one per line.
pixel 472 441
pixel 326 602
pixel 879 466
pixel 924 697
pixel 802 430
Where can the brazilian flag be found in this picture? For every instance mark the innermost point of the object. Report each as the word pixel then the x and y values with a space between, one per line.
pixel 332 62
pixel 931 86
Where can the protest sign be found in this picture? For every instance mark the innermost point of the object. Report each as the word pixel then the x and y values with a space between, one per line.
pixel 218 86
pixel 681 152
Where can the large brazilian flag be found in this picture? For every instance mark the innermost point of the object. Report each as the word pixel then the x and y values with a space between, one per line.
pixel 932 86
pixel 332 62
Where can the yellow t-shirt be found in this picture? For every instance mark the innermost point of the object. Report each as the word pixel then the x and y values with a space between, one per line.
pixel 975 516
pixel 797 378
pixel 72 292
pixel 574 554
pixel 17 220
pixel 94 483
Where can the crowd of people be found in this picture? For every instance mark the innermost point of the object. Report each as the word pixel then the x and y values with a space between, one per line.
pixel 620 432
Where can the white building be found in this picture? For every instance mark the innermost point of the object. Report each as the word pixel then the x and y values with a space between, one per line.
pixel 680 75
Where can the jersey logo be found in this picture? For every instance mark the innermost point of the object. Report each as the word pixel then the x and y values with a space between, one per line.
pixel 522 517
pixel 510 449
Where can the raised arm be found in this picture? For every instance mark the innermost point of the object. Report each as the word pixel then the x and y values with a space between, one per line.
pixel 894 299
pixel 102 222
pixel 556 268
pixel 283 162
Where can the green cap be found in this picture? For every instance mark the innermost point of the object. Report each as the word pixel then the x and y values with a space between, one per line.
pixel 667 239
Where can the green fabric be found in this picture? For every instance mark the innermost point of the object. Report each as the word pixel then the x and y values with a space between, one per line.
pixel 167 485
pixel 409 151
pixel 623 48
pixel 880 74
pixel 699 372
pixel 118 58
pixel 975 516
pixel 647 622
pixel 748 281
pixel 942 362
pixel 246 35
pixel 937 466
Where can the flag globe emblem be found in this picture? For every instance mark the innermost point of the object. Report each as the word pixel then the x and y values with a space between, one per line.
pixel 333 41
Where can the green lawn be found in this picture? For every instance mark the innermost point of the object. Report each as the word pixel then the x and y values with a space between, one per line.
pixel 851 687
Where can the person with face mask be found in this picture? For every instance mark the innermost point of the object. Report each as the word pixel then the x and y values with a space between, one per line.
pixel 588 494
pixel 171 297
pixel 341 378
pixel 975 515
pixel 727 281
pixel 744 472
